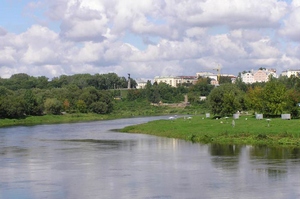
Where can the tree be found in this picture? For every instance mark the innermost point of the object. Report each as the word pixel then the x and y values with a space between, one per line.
pixel 31 105
pixel 99 107
pixel 292 104
pixel 274 98
pixel 11 106
pixel 53 106
pixel 224 80
pixel 254 99
pixel 81 106
pixel 225 99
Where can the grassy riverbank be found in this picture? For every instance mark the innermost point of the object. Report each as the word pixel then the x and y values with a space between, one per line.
pixel 130 110
pixel 53 119
pixel 247 130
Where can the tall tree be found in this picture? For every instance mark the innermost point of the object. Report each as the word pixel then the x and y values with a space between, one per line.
pixel 225 99
pixel 274 98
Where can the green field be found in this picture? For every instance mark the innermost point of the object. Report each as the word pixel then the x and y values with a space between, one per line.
pixel 247 130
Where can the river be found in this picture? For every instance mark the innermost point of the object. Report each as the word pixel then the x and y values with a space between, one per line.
pixel 88 161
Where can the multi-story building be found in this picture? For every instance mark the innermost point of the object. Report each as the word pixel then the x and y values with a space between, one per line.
pixel 214 77
pixel 258 76
pixel 175 80
pixel 289 73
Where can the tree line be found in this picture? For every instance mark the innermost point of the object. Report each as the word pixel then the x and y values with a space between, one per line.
pixel 99 81
pixel 22 95
pixel 272 98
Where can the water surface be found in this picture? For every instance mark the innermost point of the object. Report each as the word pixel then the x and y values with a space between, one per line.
pixel 87 160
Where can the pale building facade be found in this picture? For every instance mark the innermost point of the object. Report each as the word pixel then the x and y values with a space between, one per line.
pixel 207 75
pixel 175 80
pixel 289 73
pixel 247 78
pixel 258 76
pixel 141 83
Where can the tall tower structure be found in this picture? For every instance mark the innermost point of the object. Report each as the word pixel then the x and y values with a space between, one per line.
pixel 129 83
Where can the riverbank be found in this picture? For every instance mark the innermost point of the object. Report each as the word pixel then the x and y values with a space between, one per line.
pixel 246 130
pixel 72 118
pixel 122 110
pixel 53 119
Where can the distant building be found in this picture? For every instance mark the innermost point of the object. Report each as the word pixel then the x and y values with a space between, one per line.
pixel 247 78
pixel 207 75
pixel 214 77
pixel 140 83
pixel 175 80
pixel 289 73
pixel 258 76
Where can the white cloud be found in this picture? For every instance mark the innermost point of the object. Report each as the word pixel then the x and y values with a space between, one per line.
pixel 291 28
pixel 233 13
pixel 180 37
pixel 2 32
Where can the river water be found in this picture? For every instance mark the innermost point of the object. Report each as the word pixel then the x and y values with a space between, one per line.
pixel 88 161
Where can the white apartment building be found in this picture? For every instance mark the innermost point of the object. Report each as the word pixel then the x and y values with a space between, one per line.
pixel 289 73
pixel 247 78
pixel 214 77
pixel 175 80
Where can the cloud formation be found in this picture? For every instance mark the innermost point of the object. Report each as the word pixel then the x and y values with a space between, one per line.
pixel 150 38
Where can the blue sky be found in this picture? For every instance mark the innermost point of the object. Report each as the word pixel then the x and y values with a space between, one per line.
pixel 147 38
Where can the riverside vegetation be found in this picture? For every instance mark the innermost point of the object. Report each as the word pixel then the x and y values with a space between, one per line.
pixel 28 100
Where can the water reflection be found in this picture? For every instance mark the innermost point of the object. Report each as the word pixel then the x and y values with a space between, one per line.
pixel 88 160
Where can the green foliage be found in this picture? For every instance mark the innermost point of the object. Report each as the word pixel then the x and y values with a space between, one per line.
pixel 99 107
pixel 270 99
pixel 224 80
pixel 81 106
pixel 11 106
pixel 292 102
pixel 225 99
pixel 201 88
pixel 156 93
pixel 53 106
pixel 24 95
pixel 274 98
pixel 254 99
pixel 31 106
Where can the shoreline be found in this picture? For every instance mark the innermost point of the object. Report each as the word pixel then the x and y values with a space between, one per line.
pixel 66 118
pixel 247 130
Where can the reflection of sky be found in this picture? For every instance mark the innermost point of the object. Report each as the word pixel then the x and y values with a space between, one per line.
pixel 87 161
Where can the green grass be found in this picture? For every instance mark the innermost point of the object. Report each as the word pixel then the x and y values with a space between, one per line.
pixel 53 119
pixel 246 131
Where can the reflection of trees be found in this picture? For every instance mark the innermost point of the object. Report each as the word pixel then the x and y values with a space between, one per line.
pixel 274 162
pixel 277 173
pixel 274 153
pixel 224 150
pixel 104 144
pixel 225 156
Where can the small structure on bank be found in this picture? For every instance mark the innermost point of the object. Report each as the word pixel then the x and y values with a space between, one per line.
pixel 259 116
pixel 286 116
pixel 236 116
